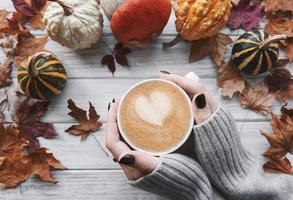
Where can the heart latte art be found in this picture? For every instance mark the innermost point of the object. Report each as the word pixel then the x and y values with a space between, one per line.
pixel 153 109
pixel 155 116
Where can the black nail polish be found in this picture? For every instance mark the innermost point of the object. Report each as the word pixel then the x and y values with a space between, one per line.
pixel 113 100
pixel 127 160
pixel 109 105
pixel 165 72
pixel 115 160
pixel 200 101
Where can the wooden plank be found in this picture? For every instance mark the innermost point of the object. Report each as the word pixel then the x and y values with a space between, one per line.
pixel 10 194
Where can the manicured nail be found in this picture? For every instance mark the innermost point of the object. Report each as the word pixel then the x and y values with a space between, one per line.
pixel 194 122
pixel 113 100
pixel 109 105
pixel 164 72
pixel 127 160
pixel 115 160
pixel 200 101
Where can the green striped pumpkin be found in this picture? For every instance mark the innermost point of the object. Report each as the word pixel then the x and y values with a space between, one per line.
pixel 253 58
pixel 41 76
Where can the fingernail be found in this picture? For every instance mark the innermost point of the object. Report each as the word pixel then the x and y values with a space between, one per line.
pixel 113 100
pixel 127 160
pixel 115 160
pixel 200 101
pixel 109 105
pixel 165 72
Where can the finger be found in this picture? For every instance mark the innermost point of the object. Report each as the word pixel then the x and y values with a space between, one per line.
pixel 113 142
pixel 201 108
pixel 190 86
pixel 142 161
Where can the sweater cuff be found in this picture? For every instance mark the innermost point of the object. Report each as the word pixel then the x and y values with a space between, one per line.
pixel 177 177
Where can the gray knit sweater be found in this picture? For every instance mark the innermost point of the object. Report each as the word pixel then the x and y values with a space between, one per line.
pixel 223 163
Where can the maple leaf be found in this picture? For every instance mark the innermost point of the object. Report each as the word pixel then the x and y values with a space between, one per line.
pixel 273 6
pixel 86 124
pixel 215 47
pixel 27 117
pixel 5 72
pixel 41 163
pixel 230 80
pixel 278 165
pixel 28 47
pixel 257 98
pixel 247 14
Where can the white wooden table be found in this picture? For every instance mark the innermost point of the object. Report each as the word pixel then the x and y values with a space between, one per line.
pixel 91 174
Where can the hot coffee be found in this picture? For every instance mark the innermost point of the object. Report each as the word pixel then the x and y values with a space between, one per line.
pixel 155 116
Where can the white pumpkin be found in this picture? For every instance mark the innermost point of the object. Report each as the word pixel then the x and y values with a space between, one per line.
pixel 76 24
pixel 109 6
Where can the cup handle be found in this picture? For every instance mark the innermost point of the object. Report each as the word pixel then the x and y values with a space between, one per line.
pixel 192 76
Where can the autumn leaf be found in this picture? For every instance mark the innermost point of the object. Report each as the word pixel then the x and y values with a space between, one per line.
pixel 279 25
pixel 278 80
pixel 286 94
pixel 257 98
pixel 120 52
pixel 24 7
pixel 289 49
pixel 87 125
pixel 278 165
pixel 230 80
pixel 110 62
pixel 3 21
pixel 40 163
pixel 5 72
pixel 8 45
pixel 27 117
pixel 36 22
pixel 273 6
pixel 215 47
pixel 247 14
pixel 28 47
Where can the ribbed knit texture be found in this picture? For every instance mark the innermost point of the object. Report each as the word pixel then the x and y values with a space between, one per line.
pixel 231 168
pixel 177 177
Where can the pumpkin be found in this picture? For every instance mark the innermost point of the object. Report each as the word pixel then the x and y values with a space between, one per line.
pixel 41 76
pixel 76 24
pixel 256 52
pixel 198 19
pixel 137 20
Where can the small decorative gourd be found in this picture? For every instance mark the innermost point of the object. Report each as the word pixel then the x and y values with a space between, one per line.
pixel 41 76
pixel 76 24
pixel 256 52
pixel 198 19
pixel 137 21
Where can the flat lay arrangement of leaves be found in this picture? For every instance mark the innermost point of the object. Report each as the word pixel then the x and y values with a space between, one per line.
pixel 255 74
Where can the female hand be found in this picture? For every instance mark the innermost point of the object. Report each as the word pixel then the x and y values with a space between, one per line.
pixel 203 104
pixel 135 164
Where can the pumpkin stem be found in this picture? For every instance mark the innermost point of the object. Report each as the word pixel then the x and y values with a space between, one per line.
pixel 32 70
pixel 177 39
pixel 272 39
pixel 67 9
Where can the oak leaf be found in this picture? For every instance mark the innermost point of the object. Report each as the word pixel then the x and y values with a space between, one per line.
pixel 215 47
pixel 247 14
pixel 87 125
pixel 257 98
pixel 230 80
pixel 5 72
pixel 27 117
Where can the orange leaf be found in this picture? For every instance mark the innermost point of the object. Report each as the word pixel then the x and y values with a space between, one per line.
pixel 86 124
pixel 278 165
pixel 3 21
pixel 289 49
pixel 257 98
pixel 230 80
pixel 5 71
pixel 276 26
pixel 273 6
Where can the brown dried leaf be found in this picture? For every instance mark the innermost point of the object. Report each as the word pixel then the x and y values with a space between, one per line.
pixel 5 72
pixel 3 21
pixel 36 22
pixel 230 80
pixel 278 165
pixel 278 80
pixel 87 125
pixel 286 94
pixel 289 49
pixel 8 45
pixel 273 6
pixel 28 47
pixel 215 46
pixel 279 25
pixel 257 98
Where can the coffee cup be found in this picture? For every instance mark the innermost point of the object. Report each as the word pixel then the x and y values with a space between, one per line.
pixel 155 116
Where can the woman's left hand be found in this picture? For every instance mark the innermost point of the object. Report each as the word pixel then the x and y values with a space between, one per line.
pixel 135 164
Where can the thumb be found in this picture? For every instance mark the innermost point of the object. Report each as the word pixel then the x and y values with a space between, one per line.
pixel 201 108
pixel 142 161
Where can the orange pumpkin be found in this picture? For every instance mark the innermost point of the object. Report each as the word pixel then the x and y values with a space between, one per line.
pixel 137 20
pixel 198 19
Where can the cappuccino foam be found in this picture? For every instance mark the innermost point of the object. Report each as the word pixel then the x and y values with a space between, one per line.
pixel 155 116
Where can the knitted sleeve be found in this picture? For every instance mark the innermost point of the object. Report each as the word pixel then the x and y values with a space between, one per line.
pixel 231 168
pixel 177 177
